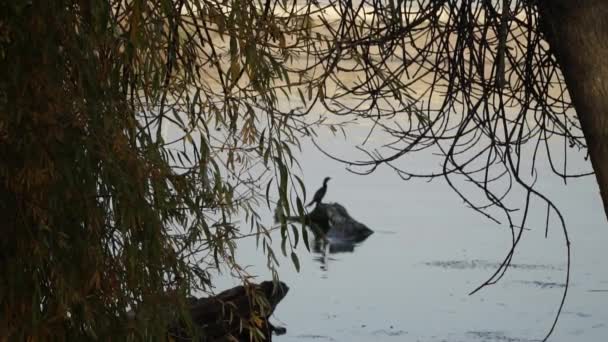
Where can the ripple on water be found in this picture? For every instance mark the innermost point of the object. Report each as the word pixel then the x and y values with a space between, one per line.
pixel 543 284
pixel 492 336
pixel 484 264
pixel 315 337
pixel 578 314
pixel 386 332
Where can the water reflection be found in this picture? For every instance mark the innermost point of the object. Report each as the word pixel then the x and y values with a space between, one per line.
pixel 333 246
pixel 428 251
pixel 334 230
pixel 324 247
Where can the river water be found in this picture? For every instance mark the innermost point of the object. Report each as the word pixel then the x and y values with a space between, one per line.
pixel 410 280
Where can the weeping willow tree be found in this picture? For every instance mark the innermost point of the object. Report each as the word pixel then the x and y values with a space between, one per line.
pixel 134 133
pixel 131 141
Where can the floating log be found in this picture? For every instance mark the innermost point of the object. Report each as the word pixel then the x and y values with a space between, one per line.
pixel 229 315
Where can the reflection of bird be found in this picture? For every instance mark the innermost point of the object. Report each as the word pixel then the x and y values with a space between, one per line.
pixel 320 193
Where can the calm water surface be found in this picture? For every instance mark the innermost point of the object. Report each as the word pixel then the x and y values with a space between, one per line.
pixel 410 280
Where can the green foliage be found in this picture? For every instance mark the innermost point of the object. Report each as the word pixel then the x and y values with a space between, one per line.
pixel 131 137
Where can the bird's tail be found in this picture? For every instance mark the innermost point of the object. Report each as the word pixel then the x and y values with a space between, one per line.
pixel 309 204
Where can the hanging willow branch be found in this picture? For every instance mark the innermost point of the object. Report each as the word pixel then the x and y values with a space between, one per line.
pixel 136 132
pixel 473 82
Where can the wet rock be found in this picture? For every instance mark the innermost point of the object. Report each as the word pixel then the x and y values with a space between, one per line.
pixel 332 221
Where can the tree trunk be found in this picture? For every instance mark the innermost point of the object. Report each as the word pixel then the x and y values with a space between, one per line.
pixel 577 31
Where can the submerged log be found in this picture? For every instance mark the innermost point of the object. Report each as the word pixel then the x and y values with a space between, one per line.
pixel 332 221
pixel 231 315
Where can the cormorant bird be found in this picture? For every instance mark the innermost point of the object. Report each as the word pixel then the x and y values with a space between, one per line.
pixel 320 193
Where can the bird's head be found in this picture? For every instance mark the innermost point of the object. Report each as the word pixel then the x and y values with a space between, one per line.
pixel 326 180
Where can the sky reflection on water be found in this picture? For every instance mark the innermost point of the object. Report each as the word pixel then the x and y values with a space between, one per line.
pixel 410 280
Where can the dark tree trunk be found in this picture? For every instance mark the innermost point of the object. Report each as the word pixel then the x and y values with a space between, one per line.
pixel 577 31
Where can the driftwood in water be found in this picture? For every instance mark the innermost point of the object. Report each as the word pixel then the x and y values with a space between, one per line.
pixel 227 316
pixel 332 221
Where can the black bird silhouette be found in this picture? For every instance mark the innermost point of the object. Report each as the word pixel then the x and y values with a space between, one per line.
pixel 318 197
